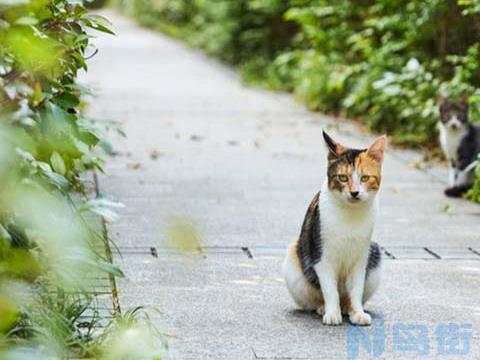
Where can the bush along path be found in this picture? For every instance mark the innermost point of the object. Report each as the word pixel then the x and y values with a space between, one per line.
pixel 383 62
pixel 55 301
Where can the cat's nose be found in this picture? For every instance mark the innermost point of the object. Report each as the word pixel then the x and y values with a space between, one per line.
pixel 354 194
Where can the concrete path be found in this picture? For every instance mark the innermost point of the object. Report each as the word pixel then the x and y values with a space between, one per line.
pixel 242 164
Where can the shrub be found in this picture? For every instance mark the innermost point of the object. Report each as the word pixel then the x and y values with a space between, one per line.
pixel 382 62
pixel 52 249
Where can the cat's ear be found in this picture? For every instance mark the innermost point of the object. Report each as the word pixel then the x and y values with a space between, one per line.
pixel 377 149
pixel 334 148
pixel 440 99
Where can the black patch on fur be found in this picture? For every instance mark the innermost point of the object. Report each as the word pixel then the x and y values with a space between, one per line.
pixel 309 246
pixel 469 148
pixel 374 257
pixel 330 143
pixel 452 108
pixel 457 191
pixel 347 157
pixel 350 155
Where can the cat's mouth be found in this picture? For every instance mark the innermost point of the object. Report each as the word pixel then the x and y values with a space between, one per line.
pixel 354 200
pixel 454 125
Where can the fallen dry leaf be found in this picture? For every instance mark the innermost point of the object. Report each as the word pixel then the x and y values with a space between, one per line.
pixel 450 209
pixel 196 137
pixel 154 154
pixel 416 165
pixel 133 166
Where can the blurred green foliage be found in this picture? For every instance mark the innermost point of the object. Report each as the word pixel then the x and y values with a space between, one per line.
pixel 183 235
pixel 132 337
pixel 382 62
pixel 52 248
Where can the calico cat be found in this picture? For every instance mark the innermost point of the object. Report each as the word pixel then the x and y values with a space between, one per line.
pixel 460 143
pixel 334 267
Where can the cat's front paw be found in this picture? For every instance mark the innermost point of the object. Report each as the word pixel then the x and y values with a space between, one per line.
pixel 360 318
pixel 332 318
pixel 455 191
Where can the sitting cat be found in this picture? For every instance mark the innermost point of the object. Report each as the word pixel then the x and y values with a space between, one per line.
pixel 334 267
pixel 460 142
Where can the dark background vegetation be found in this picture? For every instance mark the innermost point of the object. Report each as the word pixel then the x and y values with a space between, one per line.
pixel 382 62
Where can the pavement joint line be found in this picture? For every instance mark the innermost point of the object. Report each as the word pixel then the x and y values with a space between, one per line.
pixel 390 252
pixel 433 253
pixel 154 252
pixel 281 247
pixel 247 251
pixel 474 251
pixel 273 357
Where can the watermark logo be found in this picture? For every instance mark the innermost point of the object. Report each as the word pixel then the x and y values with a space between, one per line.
pixel 411 338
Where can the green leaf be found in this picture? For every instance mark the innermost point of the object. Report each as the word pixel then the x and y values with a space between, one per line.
pixel 5 235
pixel 57 163
pixel 26 20
pixel 57 180
pixel 106 146
pixel 67 100
pixel 103 207
pixel 98 23
pixel 108 268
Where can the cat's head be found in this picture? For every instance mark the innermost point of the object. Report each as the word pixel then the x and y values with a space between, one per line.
pixel 453 114
pixel 354 175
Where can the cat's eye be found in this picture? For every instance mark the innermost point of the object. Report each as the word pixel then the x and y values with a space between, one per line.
pixel 365 178
pixel 343 178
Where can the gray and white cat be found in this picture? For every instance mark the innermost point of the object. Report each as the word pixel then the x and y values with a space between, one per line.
pixel 334 267
pixel 460 141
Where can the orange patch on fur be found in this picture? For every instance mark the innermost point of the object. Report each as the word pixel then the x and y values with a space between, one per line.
pixel 345 305
pixel 292 248
pixel 365 165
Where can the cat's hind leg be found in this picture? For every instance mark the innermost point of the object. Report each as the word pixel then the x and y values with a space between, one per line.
pixel 463 181
pixel 372 282
pixel 452 175
pixel 303 293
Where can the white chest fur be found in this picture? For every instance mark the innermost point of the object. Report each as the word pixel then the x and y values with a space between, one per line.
pixel 346 230
pixel 450 141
